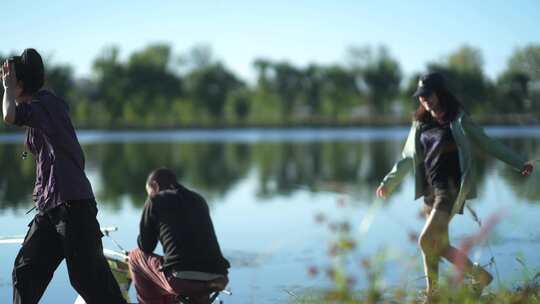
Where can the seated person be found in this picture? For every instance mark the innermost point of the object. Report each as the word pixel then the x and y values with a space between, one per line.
pixel 193 264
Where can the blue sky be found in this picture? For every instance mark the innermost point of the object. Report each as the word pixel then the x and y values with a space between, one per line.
pixel 416 32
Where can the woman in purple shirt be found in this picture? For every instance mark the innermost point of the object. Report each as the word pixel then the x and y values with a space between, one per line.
pixel 65 226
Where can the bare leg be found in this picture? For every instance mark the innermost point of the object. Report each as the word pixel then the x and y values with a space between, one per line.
pixel 433 242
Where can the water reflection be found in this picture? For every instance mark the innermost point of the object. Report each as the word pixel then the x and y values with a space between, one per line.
pixel 16 178
pixel 215 167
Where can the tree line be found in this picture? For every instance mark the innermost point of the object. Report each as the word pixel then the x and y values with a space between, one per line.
pixel 155 88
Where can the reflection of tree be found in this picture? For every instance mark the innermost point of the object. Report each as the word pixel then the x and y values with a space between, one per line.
pixel 124 167
pixel 377 163
pixel 217 166
pixel 210 168
pixel 356 168
pixel 17 178
pixel 214 168
pixel 524 187
pixel 341 161
pixel 284 167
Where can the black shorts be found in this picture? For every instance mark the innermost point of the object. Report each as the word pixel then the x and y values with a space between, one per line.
pixel 441 199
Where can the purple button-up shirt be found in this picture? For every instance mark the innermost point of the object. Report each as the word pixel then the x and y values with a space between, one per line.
pixel 51 138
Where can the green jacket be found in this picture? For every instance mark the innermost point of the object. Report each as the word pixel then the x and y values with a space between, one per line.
pixel 467 136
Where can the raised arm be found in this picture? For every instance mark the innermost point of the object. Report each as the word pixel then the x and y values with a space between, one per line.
pixel 9 82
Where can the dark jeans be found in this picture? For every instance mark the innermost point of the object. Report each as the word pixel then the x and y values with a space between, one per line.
pixel 69 231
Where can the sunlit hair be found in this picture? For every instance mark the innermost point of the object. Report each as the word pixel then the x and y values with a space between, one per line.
pixel 164 178
pixel 449 104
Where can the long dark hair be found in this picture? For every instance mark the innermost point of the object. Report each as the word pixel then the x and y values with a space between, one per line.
pixel 449 104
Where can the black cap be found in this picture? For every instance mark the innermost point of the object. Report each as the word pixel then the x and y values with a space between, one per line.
pixel 429 83
pixel 33 70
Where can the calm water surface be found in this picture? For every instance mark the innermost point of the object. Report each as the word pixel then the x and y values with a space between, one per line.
pixel 276 198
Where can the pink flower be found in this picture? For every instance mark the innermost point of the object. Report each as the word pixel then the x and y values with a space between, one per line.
pixel 313 271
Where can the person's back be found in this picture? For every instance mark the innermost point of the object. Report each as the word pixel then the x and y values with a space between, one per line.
pixel 185 231
pixel 193 264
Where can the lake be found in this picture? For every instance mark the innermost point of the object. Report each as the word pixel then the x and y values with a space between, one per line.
pixel 279 198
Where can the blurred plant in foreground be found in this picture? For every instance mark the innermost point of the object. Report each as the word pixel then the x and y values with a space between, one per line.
pixel 455 286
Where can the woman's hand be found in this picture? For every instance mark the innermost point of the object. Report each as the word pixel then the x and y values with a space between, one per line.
pixel 527 168
pixel 382 192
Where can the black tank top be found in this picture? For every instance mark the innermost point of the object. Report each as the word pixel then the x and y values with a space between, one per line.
pixel 441 158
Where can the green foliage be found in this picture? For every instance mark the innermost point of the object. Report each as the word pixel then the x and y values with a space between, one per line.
pixel 513 92
pixel 380 74
pixel 210 86
pixel 314 79
pixel 238 105
pixel 339 89
pixel 155 88
pixel 60 79
pixel 110 82
pixel 286 83
pixel 527 61
pixel 466 60
pixel 465 78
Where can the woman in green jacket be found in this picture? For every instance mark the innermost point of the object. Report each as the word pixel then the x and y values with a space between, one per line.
pixel 439 151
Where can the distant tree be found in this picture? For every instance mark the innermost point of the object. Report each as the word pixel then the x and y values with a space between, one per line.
pixel 240 99
pixel 209 87
pixel 198 57
pixel 380 73
pixel 527 61
pixel 265 103
pixel 60 79
pixel 110 79
pixel 287 84
pixel 151 81
pixel 262 66
pixel 339 88
pixel 312 87
pixel 512 92
pixel 466 60
pixel 463 72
